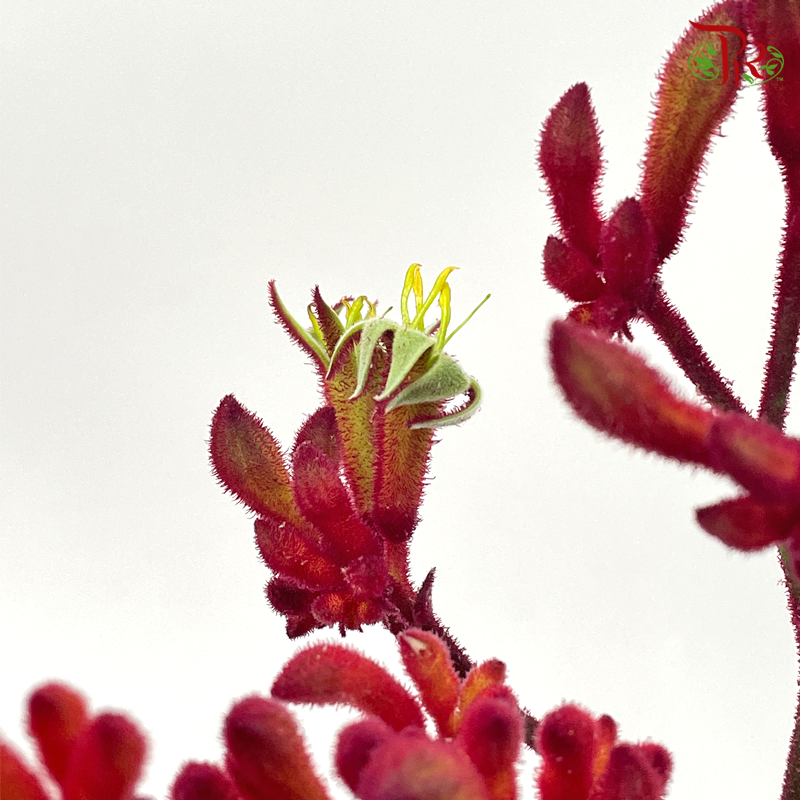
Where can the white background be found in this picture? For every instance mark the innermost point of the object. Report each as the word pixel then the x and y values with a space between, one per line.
pixel 161 162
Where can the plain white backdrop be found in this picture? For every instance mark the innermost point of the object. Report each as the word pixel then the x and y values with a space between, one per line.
pixel 161 162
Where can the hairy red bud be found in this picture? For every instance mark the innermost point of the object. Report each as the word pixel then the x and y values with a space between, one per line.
pixel 198 781
pixel 570 158
pixel 355 746
pixel 326 674
pixel 57 715
pixel 17 780
pixel 266 755
pixel 569 271
pixel 106 761
pixel 745 524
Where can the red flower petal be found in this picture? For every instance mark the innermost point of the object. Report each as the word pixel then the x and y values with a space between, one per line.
pixel 202 782
pixel 17 780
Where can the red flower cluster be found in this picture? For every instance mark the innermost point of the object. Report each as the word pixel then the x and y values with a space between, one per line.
pixel 88 757
pixel 335 522
pixel 388 755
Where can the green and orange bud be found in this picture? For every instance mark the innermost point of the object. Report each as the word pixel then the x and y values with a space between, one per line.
pixel 427 661
pixel 571 161
pixel 688 113
pixel 266 755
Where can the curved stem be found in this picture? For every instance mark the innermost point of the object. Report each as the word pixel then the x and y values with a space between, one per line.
pixel 786 313
pixel 791 780
pixel 676 334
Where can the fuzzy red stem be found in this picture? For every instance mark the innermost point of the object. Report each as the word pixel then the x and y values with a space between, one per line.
pixel 786 314
pixel 676 334
pixel 791 779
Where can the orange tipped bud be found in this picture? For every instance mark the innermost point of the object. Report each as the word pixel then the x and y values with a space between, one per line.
pixel 635 772
pixel 266 755
pixel 427 661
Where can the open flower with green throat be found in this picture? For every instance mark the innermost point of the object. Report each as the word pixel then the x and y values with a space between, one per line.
pixel 334 519
pixel 419 370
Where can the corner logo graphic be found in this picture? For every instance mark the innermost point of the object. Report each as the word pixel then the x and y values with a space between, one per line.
pixel 709 65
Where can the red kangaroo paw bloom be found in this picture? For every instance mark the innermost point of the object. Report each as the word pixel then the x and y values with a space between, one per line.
pixel 333 523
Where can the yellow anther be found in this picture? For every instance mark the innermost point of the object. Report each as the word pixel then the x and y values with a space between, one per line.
pixel 444 305
pixel 408 285
pixel 419 320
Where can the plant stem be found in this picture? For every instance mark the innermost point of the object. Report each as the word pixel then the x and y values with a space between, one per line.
pixel 676 334
pixel 791 779
pixel 786 313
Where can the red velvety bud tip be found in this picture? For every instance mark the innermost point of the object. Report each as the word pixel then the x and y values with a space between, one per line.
pixel 570 158
pixel 569 271
pixel 106 761
pixel 628 251
pixel 616 392
pixel 688 113
pixel 202 782
pixel 758 456
pixel 565 739
pixel 17 780
pixel 326 674
pixel 635 772
pixel 412 767
pixel 266 755
pixel 355 746
pixel 745 524
pixel 491 733
pixel 776 23
pixel 248 462
pixel 57 715
pixel 427 661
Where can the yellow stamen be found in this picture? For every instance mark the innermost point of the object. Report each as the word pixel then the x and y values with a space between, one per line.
pixel 419 320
